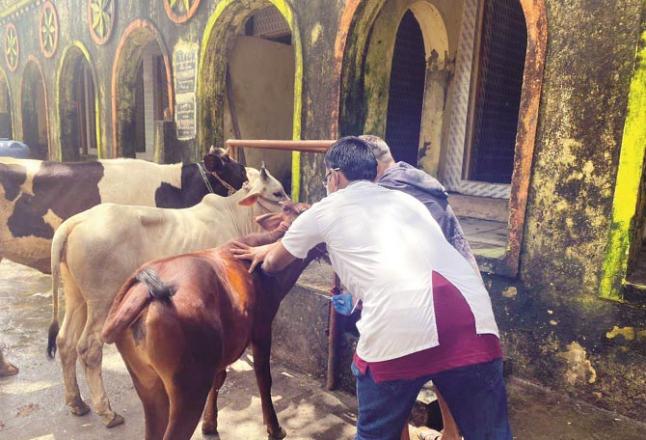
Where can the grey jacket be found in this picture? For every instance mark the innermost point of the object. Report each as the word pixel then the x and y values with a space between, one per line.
pixel 431 193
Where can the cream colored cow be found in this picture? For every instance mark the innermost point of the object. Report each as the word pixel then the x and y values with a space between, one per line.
pixel 97 250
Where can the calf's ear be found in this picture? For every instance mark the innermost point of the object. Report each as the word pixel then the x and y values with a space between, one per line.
pixel 269 222
pixel 249 200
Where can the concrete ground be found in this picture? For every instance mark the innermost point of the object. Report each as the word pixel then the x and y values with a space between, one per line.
pixel 32 408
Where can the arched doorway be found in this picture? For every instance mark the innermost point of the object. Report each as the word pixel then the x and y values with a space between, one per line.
pixel 496 89
pixel 396 75
pixel 34 111
pixel 406 94
pixel 249 83
pixel 6 124
pixel 142 91
pixel 78 107
pixel 450 79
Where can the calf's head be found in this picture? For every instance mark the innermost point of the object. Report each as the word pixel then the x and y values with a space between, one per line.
pixel 264 190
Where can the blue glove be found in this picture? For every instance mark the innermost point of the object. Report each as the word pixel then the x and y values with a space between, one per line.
pixel 343 304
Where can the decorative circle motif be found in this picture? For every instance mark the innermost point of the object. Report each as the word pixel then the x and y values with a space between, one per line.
pixel 180 11
pixel 48 29
pixel 11 47
pixel 101 18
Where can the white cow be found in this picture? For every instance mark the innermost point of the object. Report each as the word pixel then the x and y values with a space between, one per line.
pixel 97 250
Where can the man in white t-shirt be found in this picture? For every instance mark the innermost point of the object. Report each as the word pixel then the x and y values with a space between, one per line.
pixel 426 314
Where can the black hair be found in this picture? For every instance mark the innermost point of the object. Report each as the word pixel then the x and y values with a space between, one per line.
pixel 353 156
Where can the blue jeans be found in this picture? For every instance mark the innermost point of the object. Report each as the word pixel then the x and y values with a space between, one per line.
pixel 475 394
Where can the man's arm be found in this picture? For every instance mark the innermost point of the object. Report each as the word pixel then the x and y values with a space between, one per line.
pixel 302 235
pixel 277 259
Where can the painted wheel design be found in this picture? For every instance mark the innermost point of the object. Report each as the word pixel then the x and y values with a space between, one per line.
pixel 180 11
pixel 48 29
pixel 11 47
pixel 101 18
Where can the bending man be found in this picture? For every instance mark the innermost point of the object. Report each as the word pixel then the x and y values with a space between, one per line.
pixel 426 314
pixel 402 176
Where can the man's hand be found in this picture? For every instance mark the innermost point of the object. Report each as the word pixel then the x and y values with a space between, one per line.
pixel 256 254
pixel 343 303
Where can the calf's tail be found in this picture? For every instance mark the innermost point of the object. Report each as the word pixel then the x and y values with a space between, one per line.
pixel 132 299
pixel 58 246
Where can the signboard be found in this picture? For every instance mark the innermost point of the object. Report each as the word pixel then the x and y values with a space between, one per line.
pixel 185 68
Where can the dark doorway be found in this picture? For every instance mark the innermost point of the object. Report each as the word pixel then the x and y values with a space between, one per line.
pixel 142 97
pixel 34 113
pixel 406 94
pixel 497 92
pixel 78 111
pixel 6 127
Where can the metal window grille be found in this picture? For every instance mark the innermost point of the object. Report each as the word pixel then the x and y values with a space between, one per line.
pixel 497 97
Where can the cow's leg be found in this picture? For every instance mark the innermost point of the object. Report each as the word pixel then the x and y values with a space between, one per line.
pixel 261 354
pixel 210 418
pixel 68 336
pixel 187 392
pixel 155 402
pixel 90 349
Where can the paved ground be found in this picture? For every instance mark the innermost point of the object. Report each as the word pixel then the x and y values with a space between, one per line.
pixel 31 404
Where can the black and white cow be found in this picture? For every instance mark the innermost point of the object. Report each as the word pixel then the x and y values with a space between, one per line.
pixel 36 196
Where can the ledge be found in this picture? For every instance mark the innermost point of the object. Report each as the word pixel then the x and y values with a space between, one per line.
pixel 634 293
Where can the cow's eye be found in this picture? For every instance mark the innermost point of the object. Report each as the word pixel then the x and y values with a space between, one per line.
pixel 278 194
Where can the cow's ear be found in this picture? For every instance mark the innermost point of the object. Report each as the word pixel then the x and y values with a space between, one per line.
pixel 249 200
pixel 213 162
pixel 269 222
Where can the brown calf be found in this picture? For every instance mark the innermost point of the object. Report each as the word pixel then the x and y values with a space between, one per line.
pixel 191 316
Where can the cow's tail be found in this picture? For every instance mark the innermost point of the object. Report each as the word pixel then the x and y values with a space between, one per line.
pixel 58 246
pixel 133 297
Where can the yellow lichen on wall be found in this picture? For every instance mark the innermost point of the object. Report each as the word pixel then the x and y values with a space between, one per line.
pixel 628 333
pixel 316 34
pixel 579 367
pixel 629 178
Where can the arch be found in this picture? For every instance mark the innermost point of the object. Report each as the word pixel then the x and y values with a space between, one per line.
pixel 212 70
pixel 73 54
pixel 136 36
pixel 429 17
pixel 33 74
pixel 363 74
pixel 9 103
pixel 354 31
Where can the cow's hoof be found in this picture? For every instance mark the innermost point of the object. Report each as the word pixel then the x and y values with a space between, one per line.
pixel 79 408
pixel 210 430
pixel 8 369
pixel 112 420
pixel 281 434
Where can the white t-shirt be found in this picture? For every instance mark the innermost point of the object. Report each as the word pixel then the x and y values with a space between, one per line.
pixel 385 245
